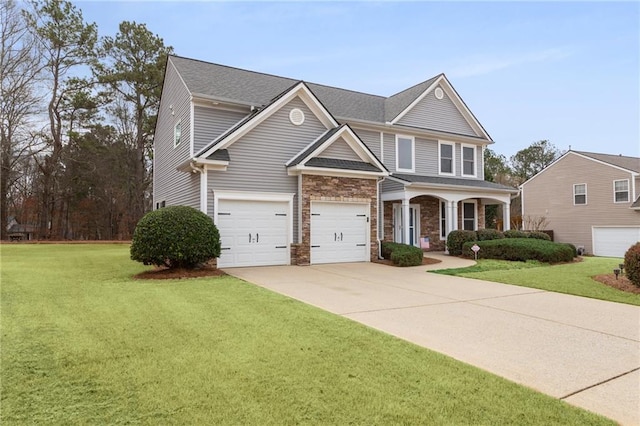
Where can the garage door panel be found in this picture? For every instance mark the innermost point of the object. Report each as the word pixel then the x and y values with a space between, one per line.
pixel 614 241
pixel 339 232
pixel 253 233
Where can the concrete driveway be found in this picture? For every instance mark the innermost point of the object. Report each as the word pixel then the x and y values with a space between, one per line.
pixel 583 351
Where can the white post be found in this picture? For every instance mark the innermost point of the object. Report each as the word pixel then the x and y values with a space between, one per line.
pixel 203 190
pixel 506 216
pixel 405 221
pixel 454 216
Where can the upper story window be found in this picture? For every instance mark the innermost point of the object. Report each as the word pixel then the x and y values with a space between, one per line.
pixel 447 159
pixel 621 191
pixel 405 150
pixel 580 193
pixel 468 160
pixel 177 132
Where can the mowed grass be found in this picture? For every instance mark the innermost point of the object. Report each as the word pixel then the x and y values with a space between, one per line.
pixel 84 343
pixel 571 278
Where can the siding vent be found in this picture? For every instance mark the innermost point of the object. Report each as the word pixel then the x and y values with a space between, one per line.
pixel 296 116
pixel 439 94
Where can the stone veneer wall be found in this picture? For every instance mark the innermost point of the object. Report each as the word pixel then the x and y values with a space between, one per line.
pixel 339 189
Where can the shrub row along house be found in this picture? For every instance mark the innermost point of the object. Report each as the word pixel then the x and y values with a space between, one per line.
pixel 297 173
pixel 588 199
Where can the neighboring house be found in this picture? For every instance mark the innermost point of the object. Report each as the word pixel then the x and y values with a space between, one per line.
pixel 589 200
pixel 298 173
pixel 19 232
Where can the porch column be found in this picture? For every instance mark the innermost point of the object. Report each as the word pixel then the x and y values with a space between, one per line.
pixel 449 215
pixel 506 216
pixel 454 216
pixel 405 221
pixel 203 190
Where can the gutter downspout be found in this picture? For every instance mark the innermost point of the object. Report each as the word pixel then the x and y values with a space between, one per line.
pixel 380 205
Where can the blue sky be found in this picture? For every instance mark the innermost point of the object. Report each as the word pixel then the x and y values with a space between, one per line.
pixel 568 72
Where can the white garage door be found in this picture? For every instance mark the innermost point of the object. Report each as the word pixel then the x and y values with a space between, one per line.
pixel 253 233
pixel 614 241
pixel 339 232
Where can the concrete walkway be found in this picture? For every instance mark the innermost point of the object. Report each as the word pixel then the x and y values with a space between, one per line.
pixel 580 350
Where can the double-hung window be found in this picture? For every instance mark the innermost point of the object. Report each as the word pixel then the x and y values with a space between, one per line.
pixel 469 160
pixel 447 159
pixel 405 150
pixel 579 194
pixel 469 216
pixel 621 191
pixel 177 132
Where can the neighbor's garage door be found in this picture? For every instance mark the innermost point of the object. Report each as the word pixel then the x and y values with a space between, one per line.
pixel 339 232
pixel 614 241
pixel 253 233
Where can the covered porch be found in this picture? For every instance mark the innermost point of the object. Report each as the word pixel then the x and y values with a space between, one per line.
pixel 423 213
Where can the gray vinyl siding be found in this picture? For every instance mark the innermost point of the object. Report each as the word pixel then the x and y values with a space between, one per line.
pixel 340 150
pixel 437 114
pixel 170 185
pixel 258 159
pixel 389 146
pixel 426 157
pixel 209 123
pixel 391 185
pixel 371 139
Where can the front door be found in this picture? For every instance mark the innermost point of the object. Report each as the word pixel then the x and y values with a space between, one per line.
pixel 414 224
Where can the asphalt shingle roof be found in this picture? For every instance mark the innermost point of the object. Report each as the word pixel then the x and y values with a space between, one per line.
pixel 636 204
pixel 258 89
pixel 439 180
pixel 629 163
pixel 335 163
pixel 302 155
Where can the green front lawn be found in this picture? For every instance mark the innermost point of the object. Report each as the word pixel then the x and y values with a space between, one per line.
pixel 570 278
pixel 84 343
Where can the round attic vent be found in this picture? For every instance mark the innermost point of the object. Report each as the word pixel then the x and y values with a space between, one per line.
pixel 296 116
pixel 439 93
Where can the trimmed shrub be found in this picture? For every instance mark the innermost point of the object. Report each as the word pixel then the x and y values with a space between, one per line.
pixel 489 234
pixel 521 249
pixel 632 264
pixel 539 235
pixel 402 254
pixel 175 237
pixel 457 238
pixel 515 233
pixel 573 248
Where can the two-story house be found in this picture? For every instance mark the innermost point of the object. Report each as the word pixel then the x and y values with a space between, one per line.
pixel 297 173
pixel 588 199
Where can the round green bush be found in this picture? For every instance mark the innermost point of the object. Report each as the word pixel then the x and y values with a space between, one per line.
pixel 407 255
pixel 175 237
pixel 632 264
pixel 489 234
pixel 457 238
pixel 539 235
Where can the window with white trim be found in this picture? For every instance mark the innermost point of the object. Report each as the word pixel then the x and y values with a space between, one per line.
pixel 469 160
pixel 579 194
pixel 405 149
pixel 443 220
pixel 621 191
pixel 469 216
pixel 447 159
pixel 177 132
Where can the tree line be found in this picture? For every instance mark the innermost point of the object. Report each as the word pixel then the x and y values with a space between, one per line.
pixel 516 170
pixel 77 114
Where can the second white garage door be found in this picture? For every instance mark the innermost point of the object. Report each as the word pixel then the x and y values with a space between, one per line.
pixel 339 232
pixel 253 233
pixel 614 241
